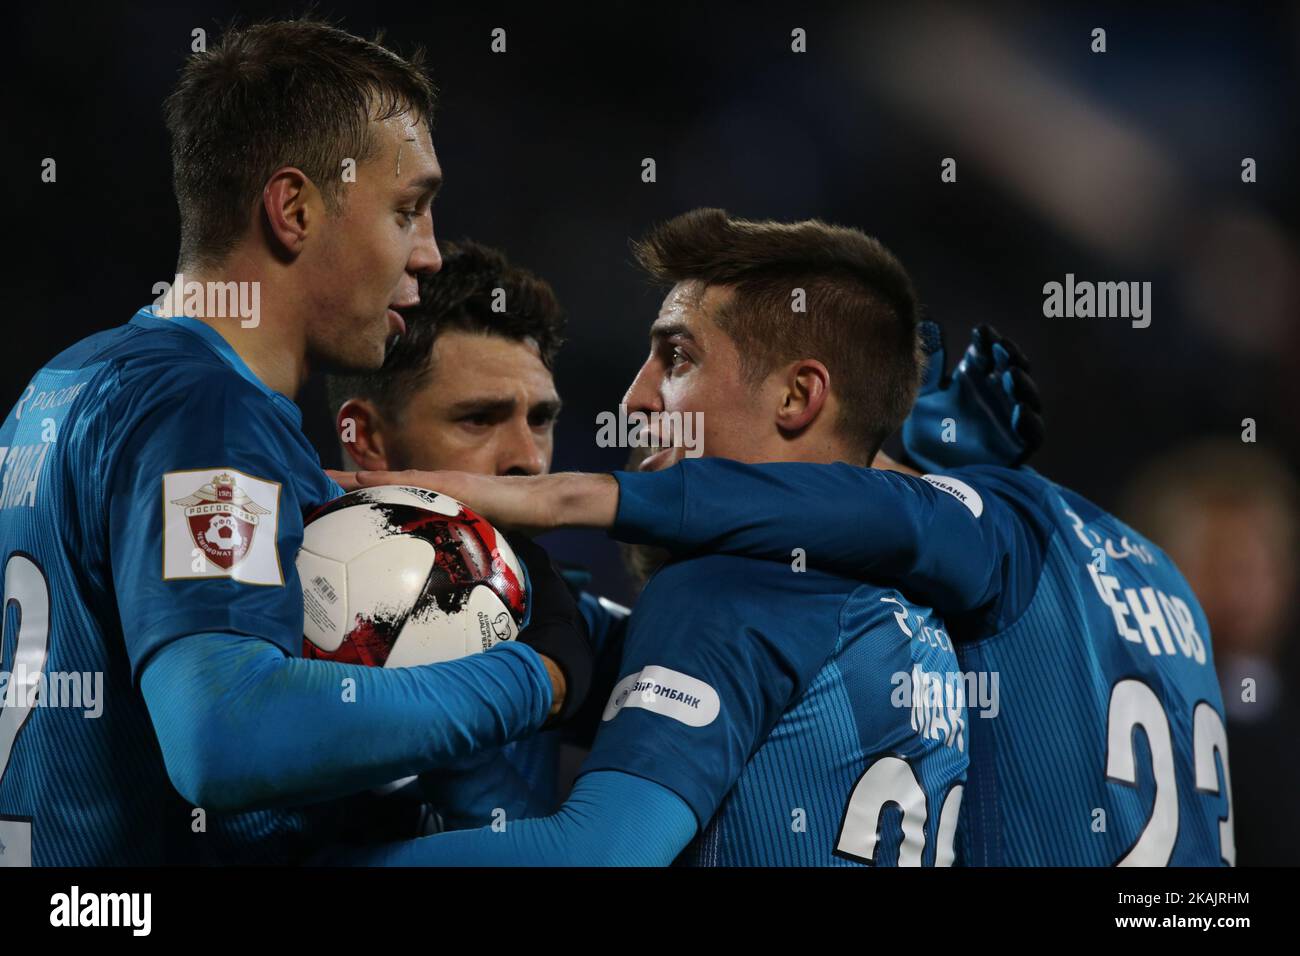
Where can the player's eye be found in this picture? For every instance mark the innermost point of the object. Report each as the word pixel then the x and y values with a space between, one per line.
pixel 408 215
pixel 543 419
pixel 677 357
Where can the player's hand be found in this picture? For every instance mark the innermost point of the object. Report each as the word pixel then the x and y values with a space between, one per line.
pixel 515 502
pixel 556 629
pixel 347 480
pixel 531 504
pixel 986 413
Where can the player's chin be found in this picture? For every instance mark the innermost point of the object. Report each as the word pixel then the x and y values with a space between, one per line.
pixel 359 355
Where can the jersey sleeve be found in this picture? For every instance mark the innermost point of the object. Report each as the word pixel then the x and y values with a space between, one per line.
pixel 968 555
pixel 713 656
pixel 204 520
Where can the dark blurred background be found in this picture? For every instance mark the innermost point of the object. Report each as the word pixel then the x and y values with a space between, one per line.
pixel 1116 166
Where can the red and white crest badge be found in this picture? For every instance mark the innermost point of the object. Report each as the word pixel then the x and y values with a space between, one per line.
pixel 220 522
pixel 222 519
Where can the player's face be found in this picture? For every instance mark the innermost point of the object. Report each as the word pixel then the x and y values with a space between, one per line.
pixel 694 366
pixel 489 407
pixel 372 251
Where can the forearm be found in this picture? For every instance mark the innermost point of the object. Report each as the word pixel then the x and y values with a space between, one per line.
pixel 242 726
pixel 531 504
pixel 610 819
pixel 859 521
pixel 582 500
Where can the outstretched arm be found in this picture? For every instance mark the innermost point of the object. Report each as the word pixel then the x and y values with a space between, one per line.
pixel 892 527
pixel 896 529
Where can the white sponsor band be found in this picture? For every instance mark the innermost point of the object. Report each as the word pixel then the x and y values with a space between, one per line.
pixel 668 692
pixel 959 490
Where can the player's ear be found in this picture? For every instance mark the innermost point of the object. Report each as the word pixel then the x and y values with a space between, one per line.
pixel 360 428
pixel 805 389
pixel 287 201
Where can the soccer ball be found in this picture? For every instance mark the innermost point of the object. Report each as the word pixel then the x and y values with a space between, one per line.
pixel 396 576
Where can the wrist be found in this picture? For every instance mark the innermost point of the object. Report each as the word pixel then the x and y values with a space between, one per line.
pixel 559 686
pixel 581 500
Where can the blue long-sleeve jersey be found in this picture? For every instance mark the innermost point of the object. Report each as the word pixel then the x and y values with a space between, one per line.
pixel 1097 726
pixel 152 494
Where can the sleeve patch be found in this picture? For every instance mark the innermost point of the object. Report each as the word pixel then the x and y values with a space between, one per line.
pixel 220 523
pixel 668 692
pixel 959 490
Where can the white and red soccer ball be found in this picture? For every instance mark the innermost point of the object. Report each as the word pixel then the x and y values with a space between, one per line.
pixel 397 576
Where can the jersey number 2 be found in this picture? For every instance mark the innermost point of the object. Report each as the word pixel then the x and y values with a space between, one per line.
pixel 24 586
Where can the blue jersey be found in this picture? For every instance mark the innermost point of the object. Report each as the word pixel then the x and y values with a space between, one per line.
pixel 806 719
pixel 1096 722
pixel 1109 744
pixel 151 488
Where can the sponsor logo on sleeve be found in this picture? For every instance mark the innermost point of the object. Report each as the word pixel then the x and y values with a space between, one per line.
pixel 668 692
pixel 220 523
pixel 959 490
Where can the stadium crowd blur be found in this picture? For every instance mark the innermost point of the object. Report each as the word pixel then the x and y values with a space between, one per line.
pixel 1123 165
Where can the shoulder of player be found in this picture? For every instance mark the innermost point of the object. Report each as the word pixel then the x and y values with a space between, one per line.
pixel 187 397
pixel 872 605
pixel 184 381
pixel 1023 482
pixel 994 491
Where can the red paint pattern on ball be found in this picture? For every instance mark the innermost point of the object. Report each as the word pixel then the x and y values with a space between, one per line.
pixel 368 643
pixel 466 553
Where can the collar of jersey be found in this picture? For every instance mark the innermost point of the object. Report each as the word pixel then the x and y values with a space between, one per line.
pixel 149 319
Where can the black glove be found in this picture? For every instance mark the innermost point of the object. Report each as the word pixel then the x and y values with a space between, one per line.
pixel 556 627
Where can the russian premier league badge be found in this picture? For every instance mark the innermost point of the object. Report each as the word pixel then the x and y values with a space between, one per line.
pixel 220 523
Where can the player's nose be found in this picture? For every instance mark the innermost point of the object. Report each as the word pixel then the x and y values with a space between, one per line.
pixel 426 257
pixel 521 453
pixel 643 394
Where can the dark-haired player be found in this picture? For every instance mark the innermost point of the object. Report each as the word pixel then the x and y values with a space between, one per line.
pixel 469 386
pixel 155 479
